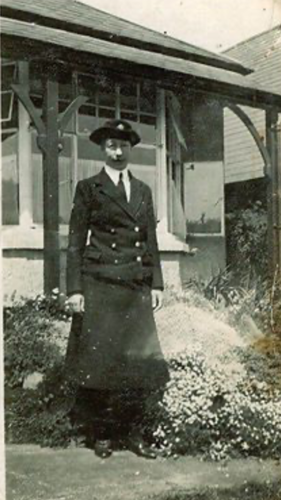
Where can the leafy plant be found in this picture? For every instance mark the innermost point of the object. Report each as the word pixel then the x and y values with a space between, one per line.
pixel 33 341
pixel 247 240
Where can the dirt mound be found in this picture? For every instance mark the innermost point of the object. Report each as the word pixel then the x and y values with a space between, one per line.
pixel 181 326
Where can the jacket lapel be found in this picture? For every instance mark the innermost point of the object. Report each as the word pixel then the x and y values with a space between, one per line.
pixel 106 186
pixel 136 194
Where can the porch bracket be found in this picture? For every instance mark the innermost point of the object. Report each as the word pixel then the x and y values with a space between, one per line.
pixel 22 92
pixel 73 106
pixel 254 133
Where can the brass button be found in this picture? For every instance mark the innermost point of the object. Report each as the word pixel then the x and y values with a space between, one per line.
pixel 139 259
pixel 137 229
pixel 137 244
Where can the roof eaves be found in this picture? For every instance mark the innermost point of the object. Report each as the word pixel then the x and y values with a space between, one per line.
pixel 112 51
pixel 144 38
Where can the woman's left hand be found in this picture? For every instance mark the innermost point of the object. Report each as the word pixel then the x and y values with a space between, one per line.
pixel 157 300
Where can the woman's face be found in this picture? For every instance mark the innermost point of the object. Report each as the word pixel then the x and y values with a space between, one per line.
pixel 117 153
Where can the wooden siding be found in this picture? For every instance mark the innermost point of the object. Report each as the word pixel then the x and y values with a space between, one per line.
pixel 242 159
pixel 77 17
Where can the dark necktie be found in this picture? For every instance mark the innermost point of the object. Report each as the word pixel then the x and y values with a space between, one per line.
pixel 121 187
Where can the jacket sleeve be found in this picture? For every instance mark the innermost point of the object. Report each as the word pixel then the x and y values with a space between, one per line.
pixel 78 231
pixel 157 281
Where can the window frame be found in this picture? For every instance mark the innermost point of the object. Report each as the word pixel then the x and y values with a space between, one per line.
pixel 30 235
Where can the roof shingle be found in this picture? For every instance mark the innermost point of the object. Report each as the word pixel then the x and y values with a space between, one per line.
pixel 72 14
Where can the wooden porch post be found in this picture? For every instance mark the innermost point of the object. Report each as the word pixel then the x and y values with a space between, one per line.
pixel 51 187
pixel 162 175
pixel 273 194
pixel 25 155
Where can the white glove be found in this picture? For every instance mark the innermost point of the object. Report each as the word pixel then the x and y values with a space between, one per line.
pixel 76 303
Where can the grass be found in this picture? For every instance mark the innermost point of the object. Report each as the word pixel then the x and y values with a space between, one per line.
pixel 251 492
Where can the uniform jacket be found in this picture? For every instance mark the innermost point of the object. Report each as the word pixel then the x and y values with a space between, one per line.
pixel 122 244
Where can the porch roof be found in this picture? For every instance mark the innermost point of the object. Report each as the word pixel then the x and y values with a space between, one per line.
pixel 76 17
pixel 230 84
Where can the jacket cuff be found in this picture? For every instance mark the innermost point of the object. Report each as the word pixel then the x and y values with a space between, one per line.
pixel 74 292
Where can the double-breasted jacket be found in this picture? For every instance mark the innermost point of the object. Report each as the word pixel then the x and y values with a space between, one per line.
pixel 122 244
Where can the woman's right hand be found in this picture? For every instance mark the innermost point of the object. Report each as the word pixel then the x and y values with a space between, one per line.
pixel 76 303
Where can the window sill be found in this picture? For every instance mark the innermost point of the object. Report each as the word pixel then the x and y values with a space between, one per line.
pixel 168 242
pixel 28 238
pixel 32 238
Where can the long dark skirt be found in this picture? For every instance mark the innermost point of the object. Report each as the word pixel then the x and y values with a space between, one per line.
pixel 114 345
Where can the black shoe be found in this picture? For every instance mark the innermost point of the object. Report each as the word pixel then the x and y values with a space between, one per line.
pixel 103 448
pixel 137 445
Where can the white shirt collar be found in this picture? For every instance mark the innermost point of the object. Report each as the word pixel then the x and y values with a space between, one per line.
pixel 114 174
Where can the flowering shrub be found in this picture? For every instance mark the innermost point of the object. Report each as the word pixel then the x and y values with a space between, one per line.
pixel 205 410
pixel 222 399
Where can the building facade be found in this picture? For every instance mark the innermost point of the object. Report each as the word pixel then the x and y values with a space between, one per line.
pixel 62 78
pixel 262 53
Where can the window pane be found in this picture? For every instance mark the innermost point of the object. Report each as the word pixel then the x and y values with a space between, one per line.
pixel 90 158
pixel 106 113
pixel 87 120
pixel 148 132
pixel 129 117
pixel 87 85
pixel 148 175
pixel 107 96
pixel 128 96
pixel 143 156
pixel 9 110
pixel 10 179
pixel 147 98
pixel 204 213
pixel 88 150
pixel 7 98
pixel 65 184
pixel 9 75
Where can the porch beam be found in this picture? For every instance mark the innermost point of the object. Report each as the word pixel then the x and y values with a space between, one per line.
pixel 162 175
pixel 93 63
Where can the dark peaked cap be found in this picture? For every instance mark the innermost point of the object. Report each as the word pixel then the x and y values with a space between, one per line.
pixel 115 129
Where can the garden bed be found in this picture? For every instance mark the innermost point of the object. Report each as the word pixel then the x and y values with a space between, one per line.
pixel 223 398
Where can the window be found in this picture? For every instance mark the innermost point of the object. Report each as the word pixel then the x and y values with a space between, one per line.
pixel 195 167
pixel 10 177
pixel 9 138
pixel 204 213
pixel 203 168
pixel 175 145
pixel 108 98
pixel 134 102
